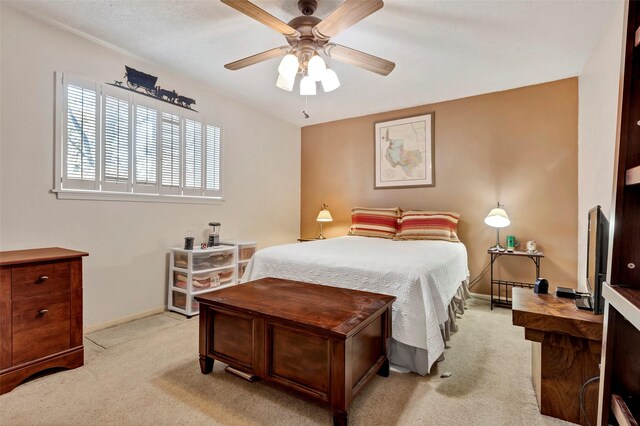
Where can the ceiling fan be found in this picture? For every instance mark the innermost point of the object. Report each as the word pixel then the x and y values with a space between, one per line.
pixel 308 37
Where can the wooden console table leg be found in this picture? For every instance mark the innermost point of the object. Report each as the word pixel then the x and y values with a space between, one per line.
pixel 384 369
pixel 340 418
pixel 566 364
pixel 206 364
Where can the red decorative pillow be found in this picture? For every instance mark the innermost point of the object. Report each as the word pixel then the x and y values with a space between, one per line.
pixel 425 225
pixel 368 222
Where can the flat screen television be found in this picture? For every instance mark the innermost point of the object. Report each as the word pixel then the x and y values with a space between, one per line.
pixel 597 252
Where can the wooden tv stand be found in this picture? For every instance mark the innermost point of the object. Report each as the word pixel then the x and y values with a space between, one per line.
pixel 565 352
pixel 324 342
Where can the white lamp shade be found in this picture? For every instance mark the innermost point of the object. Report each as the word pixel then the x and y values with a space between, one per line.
pixel 307 86
pixel 497 218
pixel 330 80
pixel 324 216
pixel 290 75
pixel 316 68
pixel 288 65
pixel 285 83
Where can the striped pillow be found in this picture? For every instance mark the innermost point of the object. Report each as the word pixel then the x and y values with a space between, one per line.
pixel 423 225
pixel 381 223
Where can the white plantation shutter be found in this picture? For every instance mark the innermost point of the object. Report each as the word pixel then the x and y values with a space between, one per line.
pixel 193 156
pixel 212 161
pixel 80 137
pixel 116 143
pixel 146 148
pixel 170 157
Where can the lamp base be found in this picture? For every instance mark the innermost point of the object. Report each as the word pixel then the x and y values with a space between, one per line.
pixel 497 247
pixel 320 237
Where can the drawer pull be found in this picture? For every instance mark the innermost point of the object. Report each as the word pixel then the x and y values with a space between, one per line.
pixel 42 279
pixel 43 311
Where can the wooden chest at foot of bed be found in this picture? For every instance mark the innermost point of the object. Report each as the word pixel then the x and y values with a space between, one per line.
pixel 324 342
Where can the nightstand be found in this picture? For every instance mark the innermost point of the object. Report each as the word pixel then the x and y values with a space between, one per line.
pixel 504 287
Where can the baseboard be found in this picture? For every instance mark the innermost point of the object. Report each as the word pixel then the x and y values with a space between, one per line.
pixel 160 310
pixel 481 296
pixel 123 320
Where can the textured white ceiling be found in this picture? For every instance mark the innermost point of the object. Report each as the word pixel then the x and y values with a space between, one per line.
pixel 442 49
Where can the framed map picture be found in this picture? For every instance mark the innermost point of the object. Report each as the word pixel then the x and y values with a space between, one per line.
pixel 404 152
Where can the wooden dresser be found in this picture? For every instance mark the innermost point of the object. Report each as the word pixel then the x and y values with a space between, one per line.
pixel 40 313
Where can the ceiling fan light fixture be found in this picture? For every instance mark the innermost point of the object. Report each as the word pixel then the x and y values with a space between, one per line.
pixel 330 81
pixel 308 37
pixel 316 67
pixel 290 75
pixel 285 83
pixel 289 65
pixel 307 86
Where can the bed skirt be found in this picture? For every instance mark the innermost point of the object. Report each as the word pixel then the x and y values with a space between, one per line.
pixel 416 359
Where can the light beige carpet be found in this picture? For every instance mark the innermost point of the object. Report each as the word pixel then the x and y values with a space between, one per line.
pixel 147 373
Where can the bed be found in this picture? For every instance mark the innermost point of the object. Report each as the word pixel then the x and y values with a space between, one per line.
pixel 427 277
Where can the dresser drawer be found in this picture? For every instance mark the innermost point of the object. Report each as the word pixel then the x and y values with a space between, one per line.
pixel 41 326
pixel 27 281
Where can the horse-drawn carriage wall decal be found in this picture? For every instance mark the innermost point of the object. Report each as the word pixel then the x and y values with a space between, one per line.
pixel 140 82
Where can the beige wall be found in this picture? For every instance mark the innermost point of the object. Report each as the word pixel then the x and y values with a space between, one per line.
pixel 518 147
pixel 128 242
pixel 598 99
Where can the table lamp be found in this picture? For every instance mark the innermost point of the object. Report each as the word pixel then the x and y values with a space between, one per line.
pixel 497 218
pixel 323 216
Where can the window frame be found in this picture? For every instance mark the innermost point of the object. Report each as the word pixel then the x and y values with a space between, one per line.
pixel 100 189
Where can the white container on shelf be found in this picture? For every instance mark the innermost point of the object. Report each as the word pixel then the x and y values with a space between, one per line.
pixel 246 249
pixel 198 271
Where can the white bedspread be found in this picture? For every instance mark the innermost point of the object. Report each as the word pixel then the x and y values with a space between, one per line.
pixel 423 275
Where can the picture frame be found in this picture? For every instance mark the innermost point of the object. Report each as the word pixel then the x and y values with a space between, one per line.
pixel 404 152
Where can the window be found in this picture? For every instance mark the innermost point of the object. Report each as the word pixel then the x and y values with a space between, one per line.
pixel 115 144
pixel 145 144
pixel 170 149
pixel 193 155
pixel 80 136
pixel 212 160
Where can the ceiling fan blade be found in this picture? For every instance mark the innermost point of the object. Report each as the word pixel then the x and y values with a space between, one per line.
pixel 347 14
pixel 258 57
pixel 359 59
pixel 253 11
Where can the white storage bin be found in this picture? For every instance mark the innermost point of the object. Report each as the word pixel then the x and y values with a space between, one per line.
pixel 198 271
